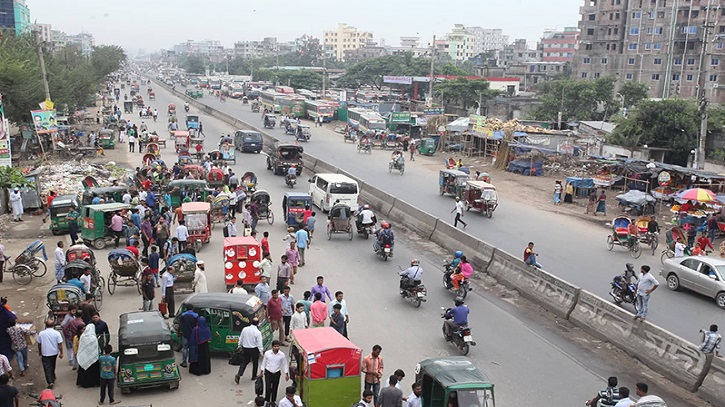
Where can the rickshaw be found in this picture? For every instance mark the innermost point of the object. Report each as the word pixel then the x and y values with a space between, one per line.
pixel 27 264
pixel 194 189
pixel 185 160
pixel 249 182
pixel 481 196
pixel 148 159
pixel 225 140
pixel 185 265
pixel 152 95
pixel 327 367
pixel 76 268
pixel 303 133
pixel 127 107
pixel 59 298
pixel 674 235
pixel 59 208
pixel 454 380
pixel 153 148
pixel 125 270
pixel 621 237
pixel 80 252
pixel 197 171
pixel 139 101
pixel 198 221
pixel 215 177
pixel 220 208
pixel 264 202
pixel 107 139
pixel 293 207
pixel 181 140
pixel 145 354
pixel 269 121
pixel 96 230
pixel 227 314
pixel 242 255
pixel 172 109
pixel 427 146
pixel 452 182
pixel 196 141
pixel 397 162
pixel 215 156
pixel 228 152
pixel 192 122
pixel 339 220
pixel 255 107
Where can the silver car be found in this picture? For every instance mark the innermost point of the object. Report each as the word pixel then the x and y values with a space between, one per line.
pixel 701 274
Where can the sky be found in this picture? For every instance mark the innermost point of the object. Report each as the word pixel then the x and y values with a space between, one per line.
pixel 159 24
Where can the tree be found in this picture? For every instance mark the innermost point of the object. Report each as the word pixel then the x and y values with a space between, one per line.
pixel 302 79
pixel 309 50
pixel 194 64
pixel 464 92
pixel 20 81
pixel 633 93
pixel 576 99
pixel 106 59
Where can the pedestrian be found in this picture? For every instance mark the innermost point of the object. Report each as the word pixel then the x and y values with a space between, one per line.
pixel 624 400
pixel 390 396
pixel 232 228
pixel 199 283
pixel 366 400
pixel 250 344
pixel 400 375
pixel 601 204
pixel 101 327
pixel 254 214
pixel 19 343
pixel 372 367
pixel 274 363
pixel 262 291
pixel 343 310
pixel 293 259
pixel 290 398
pixel 188 320
pixel 154 260
pixel 59 262
pixel 72 218
pixel 411 148
pixel 299 319
pixel 318 311
pixel 131 142
pixel 646 284
pixel 310 224
pixel 182 233
pixel 167 289
pixel 5 367
pixel 591 203
pixel 265 243
pixel 50 349
pixel 288 303
pixel 284 271
pixel 162 233
pixel 70 325
pixel 16 201
pixel 9 395
pixel 199 354
pixel 108 375
pixel 87 351
pixel 710 341
pixel 458 209
pixel 320 120
pixel 274 315
pixel 530 256
pixel 117 228
pixel 321 288
pixel 569 193
pixel 337 320
pixel 414 399
pixel 557 192
pixel 148 292
pixel 201 129
pixel 239 289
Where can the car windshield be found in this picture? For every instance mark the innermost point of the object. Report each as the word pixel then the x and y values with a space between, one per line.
pixel 720 270
pixel 252 137
pixel 343 188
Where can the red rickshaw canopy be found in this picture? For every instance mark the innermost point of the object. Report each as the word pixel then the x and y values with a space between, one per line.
pixel 324 347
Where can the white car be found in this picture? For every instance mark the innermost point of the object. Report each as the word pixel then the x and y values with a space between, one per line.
pixel 701 274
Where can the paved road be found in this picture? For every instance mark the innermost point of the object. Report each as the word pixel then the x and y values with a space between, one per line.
pixel 570 248
pixel 517 349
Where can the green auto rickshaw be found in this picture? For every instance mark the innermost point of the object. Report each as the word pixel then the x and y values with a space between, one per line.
pixel 108 194
pixel 107 139
pixel 96 227
pixel 454 380
pixel 59 208
pixel 427 146
pixel 196 189
pixel 227 314
pixel 145 354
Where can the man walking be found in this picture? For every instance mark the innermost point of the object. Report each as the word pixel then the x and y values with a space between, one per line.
pixel 318 311
pixel 188 321
pixel 250 342
pixel 711 341
pixel 372 366
pixel 148 292
pixel 645 286
pixel 414 399
pixel 16 201
pixel 274 315
pixel 117 228
pixel 343 310
pixel 458 209
pixel 59 262
pixel 261 290
pixel 273 364
pixel 321 288
pixel 167 289
pixel 303 240
pixel 199 283
pixel 182 233
pixel 131 142
pixel 288 303
pixel 390 396
pixel 72 218
pixel 50 349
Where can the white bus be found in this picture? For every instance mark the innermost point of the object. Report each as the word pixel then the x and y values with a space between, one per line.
pixel 366 120
pixel 270 100
pixel 317 108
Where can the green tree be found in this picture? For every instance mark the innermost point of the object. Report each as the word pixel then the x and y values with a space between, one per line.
pixel 576 99
pixel 20 81
pixel 464 92
pixel 194 64
pixel 633 93
pixel 106 59
pixel 309 50
pixel 302 79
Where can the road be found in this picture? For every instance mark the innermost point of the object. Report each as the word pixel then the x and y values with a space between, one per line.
pixel 527 357
pixel 570 248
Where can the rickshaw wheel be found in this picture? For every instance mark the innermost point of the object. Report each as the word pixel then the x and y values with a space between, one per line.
pixel 99 244
pixel 270 217
pixel 98 294
pixel 329 231
pixel 464 349
pixel 22 274
pixel 610 243
pixel 138 279
pixel 402 170
pixel 666 254
pixel 39 267
pixel 197 245
pixel 112 283
pixel 635 250
pixel 349 232
pixel 370 150
pixel 653 244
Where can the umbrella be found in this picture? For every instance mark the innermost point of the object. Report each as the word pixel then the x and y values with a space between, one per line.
pixel 697 194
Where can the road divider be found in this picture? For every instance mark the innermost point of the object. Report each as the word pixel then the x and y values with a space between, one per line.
pixel 377 199
pixel 713 386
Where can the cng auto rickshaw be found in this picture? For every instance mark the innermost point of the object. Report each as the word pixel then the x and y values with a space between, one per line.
pixel 196 190
pixel 59 298
pixel 269 121
pixel 452 182
pixel 108 194
pixel 96 230
pixel 227 314
pixel 107 139
pixel 242 255
pixel 181 140
pixel 145 354
pixel 59 208
pixel 192 122
pixel 481 196
pixel 185 265
pixel 427 146
pixel 327 366
pixel 127 107
pixel 198 221
pixel 454 380
pixel 293 207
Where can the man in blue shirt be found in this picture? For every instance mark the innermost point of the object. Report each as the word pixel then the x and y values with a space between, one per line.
pixel 188 321
pixel 78 283
pixel 136 218
pixel 456 317
pixel 151 199
pixel 303 240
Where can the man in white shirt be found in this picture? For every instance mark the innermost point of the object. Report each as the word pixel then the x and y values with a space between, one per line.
pixel 680 249
pixel 458 209
pixel 182 233
pixel 59 262
pixel 290 398
pixel 273 364
pixel 624 400
pixel 299 319
pixel 367 217
pixel 340 300
pixel 126 198
pixel 239 289
pixel 250 342
pixel 232 227
pixel 414 398
pixel 645 399
pixel 199 283
pixel 49 347
pixel 86 280
pixel 646 284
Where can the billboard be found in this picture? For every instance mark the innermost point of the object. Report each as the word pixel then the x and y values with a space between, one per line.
pixel 5 160
pixel 401 80
pixel 44 121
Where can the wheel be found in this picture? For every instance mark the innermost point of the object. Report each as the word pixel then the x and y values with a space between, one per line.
pixel 112 283
pixel 370 150
pixel 417 302
pixel 269 165
pixel 173 386
pixel 138 279
pixel 39 267
pixel 322 206
pixel 365 233
pixel 349 232
pixel 22 274
pixel 270 217
pixel 635 250
pixel 610 243
pixel 99 244
pixel 489 212
pixel 463 290
pixel 402 170
pixel 385 257
pixel 329 232
pixel 390 168
pixel 197 245
pixel 666 254
pixel 720 300
pixel 125 390
pixel 445 281
pixel 673 282
pixel 464 349
pixel 98 297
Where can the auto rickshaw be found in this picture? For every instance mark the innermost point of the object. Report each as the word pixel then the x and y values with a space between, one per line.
pixel 96 230
pixel 255 107
pixel 427 146
pixel 172 109
pixel 269 121
pixel 198 221
pixel 107 139
pixel 145 354
pixel 108 194
pixel 481 196
pixel 59 208
pixel 59 298
pixel 327 366
pixel 453 380
pixel 185 159
pixel 293 207
pixel 192 122
pixel 187 190
pixel 152 95
pixel 452 182
pixel 185 265
pixel 242 255
pixel 303 133
pixel 227 314
pixel 127 107
pixel 181 140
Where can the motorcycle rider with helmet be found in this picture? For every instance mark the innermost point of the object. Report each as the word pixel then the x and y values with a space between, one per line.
pixel 385 236
pixel 411 277
pixel 291 173
pixel 453 265
pixel 456 317
pixel 365 217
pixel 186 106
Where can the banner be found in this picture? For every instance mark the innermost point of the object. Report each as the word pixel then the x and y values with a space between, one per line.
pixel 433 111
pixel 401 80
pixel 400 117
pixel 5 160
pixel 44 121
pixel 478 123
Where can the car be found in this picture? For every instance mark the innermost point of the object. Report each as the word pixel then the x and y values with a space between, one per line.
pixel 282 155
pixel 248 141
pixel 701 274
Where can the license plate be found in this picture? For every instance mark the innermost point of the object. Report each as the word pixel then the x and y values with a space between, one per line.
pixel 468 338
pixel 387 250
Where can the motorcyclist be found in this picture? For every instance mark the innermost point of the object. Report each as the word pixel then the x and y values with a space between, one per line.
pixel 454 264
pixel 411 277
pixel 365 217
pixel 186 106
pixel 608 396
pixel 462 273
pixel 291 173
pixel 397 158
pixel 385 237
pixel 456 317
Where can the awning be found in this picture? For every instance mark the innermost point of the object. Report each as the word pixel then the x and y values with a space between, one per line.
pixel 460 124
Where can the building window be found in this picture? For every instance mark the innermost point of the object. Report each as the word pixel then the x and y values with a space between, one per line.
pixel 604 61
pixel 590 31
pixel 660 14
pixel 678 61
pixel 616 30
pixel 611 16
pixel 584 74
pixel 632 46
pixel 655 76
pixel 629 76
pixel 722 28
pixel 650 30
pixel 647 46
pixel 676 77
pixel 713 78
pixel 587 61
pixel 715 61
pixel 658 61
pixel 596 75
pixel 630 61
pixel 657 45
pixel 614 46
pixel 636 15
pixel 634 31
pixel 658 30
pixel 694 13
pixel 616 16
pixel 588 47
pixel 592 17
pixel 719 45
pixel 690 61
pixel 689 78
pixel 690 29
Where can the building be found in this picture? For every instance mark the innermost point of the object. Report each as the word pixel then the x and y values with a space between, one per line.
pixel 487 39
pixel 656 43
pixel 410 45
pixel 559 46
pixel 518 52
pixel 59 39
pixel 83 41
pixel 14 17
pixel 44 32
pixel 367 52
pixel 200 48
pixel 345 38
pixel 459 43
pixel 530 74
pixel 269 46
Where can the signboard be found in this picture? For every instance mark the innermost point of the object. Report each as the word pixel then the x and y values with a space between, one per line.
pixel 401 80
pixel 400 117
pixel 5 152
pixel 664 178
pixel 44 121
pixel 433 111
pixel 478 123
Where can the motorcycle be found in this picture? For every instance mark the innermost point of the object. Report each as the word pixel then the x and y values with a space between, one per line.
pixel 623 288
pixel 463 287
pixel 397 165
pixel 290 180
pixel 365 148
pixel 461 338
pixel 383 252
pixel 415 294
pixel 186 108
pixel 350 137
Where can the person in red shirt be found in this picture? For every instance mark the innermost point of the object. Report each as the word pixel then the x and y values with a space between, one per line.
pixel 51 196
pixel 704 242
pixel 265 243
pixel 146 184
pixel 133 248
pixel 274 315
pixel 306 214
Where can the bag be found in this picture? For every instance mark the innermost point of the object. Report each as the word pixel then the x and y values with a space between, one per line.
pixel 236 357
pixel 163 308
pixel 226 230
pixel 258 386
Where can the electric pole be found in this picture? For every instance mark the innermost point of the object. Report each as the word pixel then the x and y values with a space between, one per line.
pixel 432 75
pixel 701 93
pixel 43 74
pixel 324 75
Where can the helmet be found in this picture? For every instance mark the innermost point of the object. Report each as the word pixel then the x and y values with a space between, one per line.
pixel 458 301
pixel 366 206
pixel 459 254
pixel 384 225
pixel 414 262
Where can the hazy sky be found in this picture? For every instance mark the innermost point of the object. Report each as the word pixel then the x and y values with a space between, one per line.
pixel 155 24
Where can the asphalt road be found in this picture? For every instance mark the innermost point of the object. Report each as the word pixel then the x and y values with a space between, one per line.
pixel 525 355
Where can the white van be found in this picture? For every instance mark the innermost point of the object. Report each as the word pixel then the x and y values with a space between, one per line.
pixel 326 189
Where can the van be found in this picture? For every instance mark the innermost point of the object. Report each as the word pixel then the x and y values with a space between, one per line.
pixel 248 141
pixel 327 189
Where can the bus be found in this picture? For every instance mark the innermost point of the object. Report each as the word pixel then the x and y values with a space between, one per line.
pixel 215 83
pixel 271 100
pixel 293 105
pixel 316 108
pixel 367 120
pixel 287 90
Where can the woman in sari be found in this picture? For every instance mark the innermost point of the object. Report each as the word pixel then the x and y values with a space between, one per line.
pixel 568 193
pixel 87 354
pixel 199 357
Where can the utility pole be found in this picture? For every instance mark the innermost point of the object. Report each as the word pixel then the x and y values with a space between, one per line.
pixel 699 162
pixel 432 75
pixel 44 78
pixel 324 75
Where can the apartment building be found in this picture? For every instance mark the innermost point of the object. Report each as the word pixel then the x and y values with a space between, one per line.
pixel 487 39
pixel 559 46
pixel 269 46
pixel 459 43
pixel 343 39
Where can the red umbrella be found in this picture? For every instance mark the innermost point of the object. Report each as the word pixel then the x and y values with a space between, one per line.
pixel 697 194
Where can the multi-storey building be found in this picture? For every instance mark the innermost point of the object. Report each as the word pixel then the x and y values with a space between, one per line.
pixel 14 17
pixel 518 52
pixel 44 33
pixel 657 42
pixel 559 46
pixel 459 43
pixel 269 46
pixel 487 39
pixel 345 38
pixel 202 48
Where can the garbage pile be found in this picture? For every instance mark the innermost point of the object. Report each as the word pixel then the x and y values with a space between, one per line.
pixel 514 125
pixel 66 178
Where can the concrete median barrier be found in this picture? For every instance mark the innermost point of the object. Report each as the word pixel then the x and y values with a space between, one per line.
pixel 713 386
pixel 452 239
pixel 381 202
pixel 678 360
pixel 540 287
pixel 420 222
